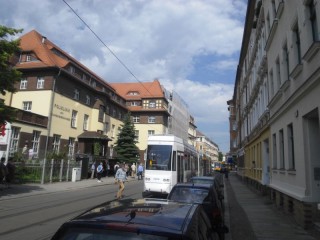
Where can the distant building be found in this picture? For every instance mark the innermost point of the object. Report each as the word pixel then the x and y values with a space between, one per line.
pixel 154 110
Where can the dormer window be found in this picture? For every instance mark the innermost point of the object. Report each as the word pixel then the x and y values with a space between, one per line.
pixel 28 58
pixel 133 93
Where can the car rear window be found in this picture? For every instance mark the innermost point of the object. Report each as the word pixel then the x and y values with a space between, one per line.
pixel 190 195
pixel 102 234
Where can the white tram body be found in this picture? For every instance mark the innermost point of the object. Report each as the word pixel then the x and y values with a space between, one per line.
pixel 169 160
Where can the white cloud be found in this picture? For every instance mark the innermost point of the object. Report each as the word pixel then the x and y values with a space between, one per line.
pixel 153 38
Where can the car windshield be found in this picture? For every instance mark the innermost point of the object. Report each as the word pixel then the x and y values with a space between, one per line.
pixel 159 157
pixel 102 234
pixel 201 180
pixel 189 195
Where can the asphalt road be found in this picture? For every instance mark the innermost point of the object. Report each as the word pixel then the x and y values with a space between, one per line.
pixel 37 217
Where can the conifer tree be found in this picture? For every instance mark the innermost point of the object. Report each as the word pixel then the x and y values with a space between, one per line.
pixel 126 148
pixel 8 75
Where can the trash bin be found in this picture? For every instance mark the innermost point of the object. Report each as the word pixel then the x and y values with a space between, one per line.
pixel 76 174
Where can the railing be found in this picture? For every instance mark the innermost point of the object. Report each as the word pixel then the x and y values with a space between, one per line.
pixel 52 171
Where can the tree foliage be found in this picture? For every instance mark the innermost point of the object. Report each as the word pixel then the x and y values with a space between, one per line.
pixel 8 74
pixel 126 148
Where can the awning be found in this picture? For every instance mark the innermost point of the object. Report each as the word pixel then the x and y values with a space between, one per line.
pixel 94 135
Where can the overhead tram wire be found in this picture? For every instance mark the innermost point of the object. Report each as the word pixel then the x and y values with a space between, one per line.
pixel 96 35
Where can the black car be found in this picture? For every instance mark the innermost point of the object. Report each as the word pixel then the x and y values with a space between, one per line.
pixel 205 195
pixel 214 181
pixel 155 219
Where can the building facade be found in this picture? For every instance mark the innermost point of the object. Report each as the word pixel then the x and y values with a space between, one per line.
pixel 277 100
pixel 63 107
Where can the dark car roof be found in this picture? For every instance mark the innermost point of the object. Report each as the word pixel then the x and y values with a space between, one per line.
pixel 203 178
pixel 140 215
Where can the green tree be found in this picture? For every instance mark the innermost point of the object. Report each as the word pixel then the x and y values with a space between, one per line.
pixel 220 158
pixel 8 74
pixel 126 148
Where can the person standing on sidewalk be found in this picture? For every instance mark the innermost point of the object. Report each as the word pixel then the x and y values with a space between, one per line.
pixel 133 170
pixel 140 171
pixel 93 169
pixel 99 171
pixel 121 177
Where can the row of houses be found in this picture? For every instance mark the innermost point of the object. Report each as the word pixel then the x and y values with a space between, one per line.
pixel 274 111
pixel 64 107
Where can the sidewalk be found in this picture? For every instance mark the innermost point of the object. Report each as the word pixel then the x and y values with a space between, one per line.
pixel 262 218
pixel 23 190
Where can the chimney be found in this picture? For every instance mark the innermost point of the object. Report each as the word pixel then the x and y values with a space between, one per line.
pixel 44 39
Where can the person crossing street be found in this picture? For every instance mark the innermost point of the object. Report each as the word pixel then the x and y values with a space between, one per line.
pixel 121 177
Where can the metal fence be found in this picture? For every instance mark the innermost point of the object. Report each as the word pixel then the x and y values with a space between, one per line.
pixel 44 171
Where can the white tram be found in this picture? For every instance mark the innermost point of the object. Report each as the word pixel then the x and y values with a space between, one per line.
pixel 169 160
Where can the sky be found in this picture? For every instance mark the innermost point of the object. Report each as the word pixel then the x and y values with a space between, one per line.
pixel 191 46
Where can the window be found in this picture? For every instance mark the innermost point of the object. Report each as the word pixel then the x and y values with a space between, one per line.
pixel 291 147
pixel 86 122
pixel 133 93
pixel 56 143
pixel 114 113
pixel 28 58
pixel 136 119
pixel 152 104
pixel 36 143
pixel 281 149
pixel 88 100
pixel 112 130
pixel 278 72
pixel 23 83
pixel 15 135
pixel 120 115
pixel 274 145
pixel 71 148
pixel 106 127
pixel 271 83
pixel 151 119
pixel 135 103
pixel 150 132
pixel 40 83
pixel 27 105
pixel 74 119
pixel 76 94
pixel 313 21
pixel 297 43
pixel 286 60
pixel 136 135
pixel 101 113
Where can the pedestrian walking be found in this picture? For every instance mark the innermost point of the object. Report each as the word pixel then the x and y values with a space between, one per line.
pixel 121 177
pixel 93 169
pixel 140 171
pixel 115 168
pixel 99 172
pixel 107 169
pixel 133 170
pixel 3 172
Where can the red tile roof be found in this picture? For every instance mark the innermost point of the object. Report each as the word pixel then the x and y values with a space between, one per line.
pixel 32 42
pixel 145 90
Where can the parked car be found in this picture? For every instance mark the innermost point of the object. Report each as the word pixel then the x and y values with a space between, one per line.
pixel 205 195
pixel 156 219
pixel 214 181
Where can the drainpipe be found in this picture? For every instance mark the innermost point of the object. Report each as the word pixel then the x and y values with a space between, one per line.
pixel 49 125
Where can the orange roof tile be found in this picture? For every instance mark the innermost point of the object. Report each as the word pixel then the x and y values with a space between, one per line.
pixel 145 90
pixel 32 41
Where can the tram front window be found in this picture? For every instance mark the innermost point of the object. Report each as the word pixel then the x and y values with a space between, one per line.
pixel 159 157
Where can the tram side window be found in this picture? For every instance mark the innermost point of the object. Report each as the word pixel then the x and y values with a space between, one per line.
pixel 174 161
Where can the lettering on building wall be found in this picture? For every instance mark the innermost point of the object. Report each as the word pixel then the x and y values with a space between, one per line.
pixel 61 111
